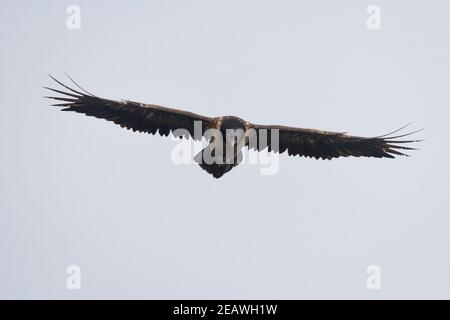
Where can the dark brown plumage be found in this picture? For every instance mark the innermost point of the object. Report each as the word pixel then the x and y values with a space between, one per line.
pixel 296 141
pixel 328 145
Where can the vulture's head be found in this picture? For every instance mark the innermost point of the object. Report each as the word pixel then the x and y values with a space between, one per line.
pixel 232 127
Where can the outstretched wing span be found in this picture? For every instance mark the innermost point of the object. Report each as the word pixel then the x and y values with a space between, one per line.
pixel 327 145
pixel 131 115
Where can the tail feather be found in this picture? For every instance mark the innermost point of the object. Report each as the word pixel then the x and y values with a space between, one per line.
pixel 217 170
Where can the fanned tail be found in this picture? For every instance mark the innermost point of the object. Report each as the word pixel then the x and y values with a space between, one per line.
pixel 217 170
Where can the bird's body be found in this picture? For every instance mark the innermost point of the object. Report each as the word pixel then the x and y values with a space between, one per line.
pixel 229 132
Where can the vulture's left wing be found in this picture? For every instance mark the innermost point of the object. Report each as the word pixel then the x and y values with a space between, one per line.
pixel 137 116
pixel 327 145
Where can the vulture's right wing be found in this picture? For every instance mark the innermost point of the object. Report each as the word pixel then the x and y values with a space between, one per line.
pixel 137 116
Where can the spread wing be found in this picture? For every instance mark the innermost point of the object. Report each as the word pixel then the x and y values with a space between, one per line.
pixel 131 115
pixel 327 145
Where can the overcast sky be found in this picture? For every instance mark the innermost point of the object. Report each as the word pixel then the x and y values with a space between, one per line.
pixel 82 191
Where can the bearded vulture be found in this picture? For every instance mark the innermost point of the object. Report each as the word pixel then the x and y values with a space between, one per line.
pixel 300 142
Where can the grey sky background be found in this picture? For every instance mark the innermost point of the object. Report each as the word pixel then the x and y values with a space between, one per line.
pixel 78 190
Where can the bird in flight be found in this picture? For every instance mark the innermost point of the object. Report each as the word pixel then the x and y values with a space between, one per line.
pixel 151 118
